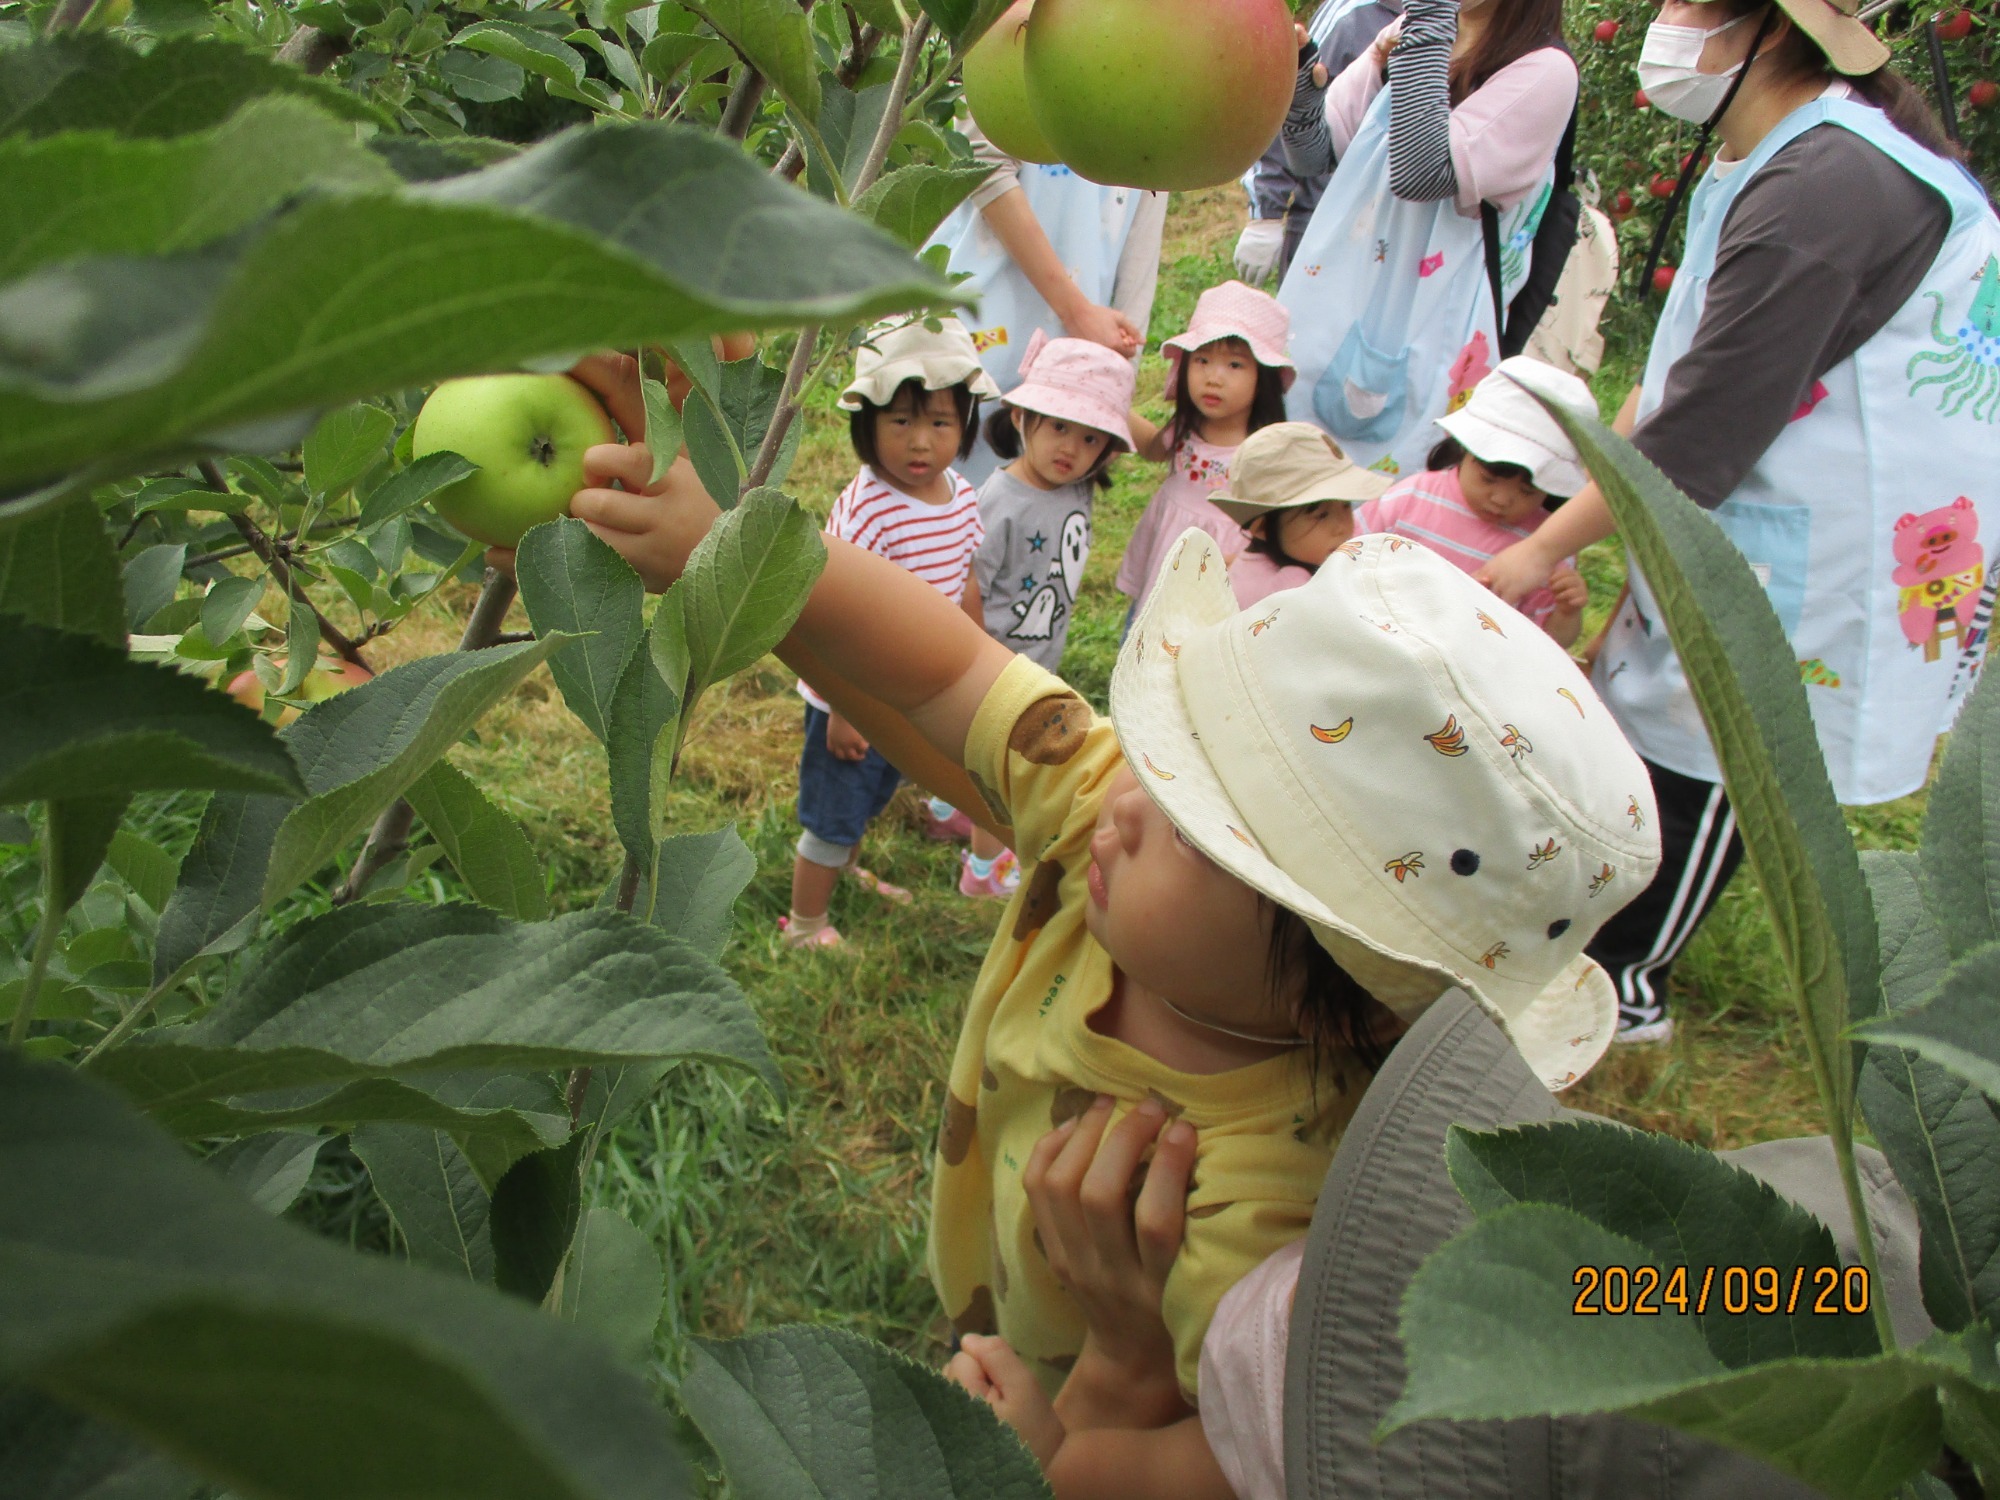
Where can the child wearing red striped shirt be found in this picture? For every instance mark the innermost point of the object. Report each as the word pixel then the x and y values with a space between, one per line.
pixel 913 405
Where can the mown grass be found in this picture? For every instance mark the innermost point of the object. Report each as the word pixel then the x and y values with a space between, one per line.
pixel 816 1210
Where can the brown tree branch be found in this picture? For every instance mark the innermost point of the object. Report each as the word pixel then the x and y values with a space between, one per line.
pixel 312 49
pixel 267 552
pixel 741 110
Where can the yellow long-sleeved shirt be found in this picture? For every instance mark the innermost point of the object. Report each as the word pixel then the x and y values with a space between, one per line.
pixel 1027 1060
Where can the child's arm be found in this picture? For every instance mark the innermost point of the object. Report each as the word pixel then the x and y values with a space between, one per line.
pixel 1149 440
pixel 1565 623
pixel 973 605
pixel 868 623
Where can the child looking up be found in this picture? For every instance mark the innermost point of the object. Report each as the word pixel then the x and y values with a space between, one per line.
pixel 1503 466
pixel 914 402
pixel 1289 836
pixel 1058 433
pixel 1226 376
pixel 1294 492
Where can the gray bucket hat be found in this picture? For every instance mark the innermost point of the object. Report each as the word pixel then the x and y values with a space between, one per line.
pixel 1388 1203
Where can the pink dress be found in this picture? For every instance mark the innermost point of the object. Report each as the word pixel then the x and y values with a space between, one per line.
pixel 1255 574
pixel 1199 470
pixel 1243 1376
pixel 1430 508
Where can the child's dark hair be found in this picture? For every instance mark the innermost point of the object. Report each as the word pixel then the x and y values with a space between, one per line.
pixel 1267 406
pixel 1334 1010
pixel 911 393
pixel 1004 438
pixel 1265 542
pixel 1450 453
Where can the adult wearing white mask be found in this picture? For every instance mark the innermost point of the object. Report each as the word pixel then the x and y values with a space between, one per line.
pixel 1825 379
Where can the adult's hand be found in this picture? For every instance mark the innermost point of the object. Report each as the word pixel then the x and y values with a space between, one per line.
pixel 1258 248
pixel 1106 326
pixel 1110 1250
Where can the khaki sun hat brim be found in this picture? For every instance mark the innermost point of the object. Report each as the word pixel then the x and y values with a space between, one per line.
pixel 1157 732
pixel 1352 486
pixel 1849 45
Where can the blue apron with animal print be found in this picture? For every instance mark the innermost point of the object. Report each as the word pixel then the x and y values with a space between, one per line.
pixel 1086 223
pixel 1392 312
pixel 1862 520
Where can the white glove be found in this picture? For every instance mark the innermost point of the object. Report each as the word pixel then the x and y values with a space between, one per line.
pixel 1258 249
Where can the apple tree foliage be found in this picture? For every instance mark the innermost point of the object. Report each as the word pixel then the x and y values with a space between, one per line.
pixel 237 241
pixel 1893 959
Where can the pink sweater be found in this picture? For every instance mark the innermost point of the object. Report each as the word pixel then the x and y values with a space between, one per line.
pixel 1502 134
pixel 1430 508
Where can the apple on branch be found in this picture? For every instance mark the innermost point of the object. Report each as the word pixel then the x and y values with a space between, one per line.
pixel 527 433
pixel 330 675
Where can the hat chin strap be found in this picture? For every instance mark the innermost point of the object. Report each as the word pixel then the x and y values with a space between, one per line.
pixel 1242 1036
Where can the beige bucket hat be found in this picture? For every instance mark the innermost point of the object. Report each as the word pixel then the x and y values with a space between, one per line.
pixel 1410 765
pixel 901 349
pixel 1834 26
pixel 1290 464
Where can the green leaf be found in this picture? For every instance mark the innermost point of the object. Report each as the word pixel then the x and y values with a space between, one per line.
pixel 1745 679
pixel 612 1283
pixel 573 582
pixel 1682 1206
pixel 644 712
pixel 75 838
pixel 80 719
pixel 144 866
pixel 804 1412
pixel 480 77
pixel 150 354
pixel 361 750
pixel 724 430
pixel 848 122
pixel 342 446
pixel 92 194
pixel 1938 1131
pixel 1490 1331
pixel 54 1453
pixel 151 579
pixel 663 427
pixel 1959 1027
pixel 221 884
pixel 1961 841
pixel 410 487
pixel 745 584
pixel 495 1119
pixel 526 48
pixel 302 639
pixel 57 569
pixel 393 990
pixel 671 51
pixel 775 38
pixel 912 201
pixel 227 605
pixel 271 1170
pixel 696 880
pixel 432 1193
pixel 533 1220
pixel 964 21
pixel 182 85
pixel 136 1286
pixel 490 851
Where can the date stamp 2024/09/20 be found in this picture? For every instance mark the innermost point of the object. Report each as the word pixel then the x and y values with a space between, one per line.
pixel 1648 1291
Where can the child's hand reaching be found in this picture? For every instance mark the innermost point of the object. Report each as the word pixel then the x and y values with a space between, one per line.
pixel 989 1368
pixel 1572 593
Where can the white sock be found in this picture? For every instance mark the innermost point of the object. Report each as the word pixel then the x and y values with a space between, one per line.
pixel 805 927
pixel 981 868
pixel 942 811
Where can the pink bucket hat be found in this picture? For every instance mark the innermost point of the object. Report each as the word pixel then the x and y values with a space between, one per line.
pixel 1077 381
pixel 1234 310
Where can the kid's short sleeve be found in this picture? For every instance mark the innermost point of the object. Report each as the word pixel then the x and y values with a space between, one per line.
pixel 1039 755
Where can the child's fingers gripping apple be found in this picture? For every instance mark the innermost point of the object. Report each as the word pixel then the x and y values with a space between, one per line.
pixel 654 529
pixel 614 379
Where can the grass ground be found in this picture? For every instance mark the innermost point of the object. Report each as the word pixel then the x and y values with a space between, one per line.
pixel 817 1210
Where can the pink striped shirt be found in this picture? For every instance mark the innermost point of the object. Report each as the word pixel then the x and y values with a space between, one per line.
pixel 1430 508
pixel 935 542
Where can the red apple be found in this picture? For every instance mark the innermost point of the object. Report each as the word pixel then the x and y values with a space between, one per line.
pixel 1661 186
pixel 1606 31
pixel 329 676
pixel 1663 278
pixel 1688 158
pixel 1164 94
pixel 1983 93
pixel 1621 205
pixel 1640 101
pixel 1954 28
pixel 996 87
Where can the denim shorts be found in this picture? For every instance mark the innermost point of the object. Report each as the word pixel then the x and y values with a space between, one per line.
pixel 839 798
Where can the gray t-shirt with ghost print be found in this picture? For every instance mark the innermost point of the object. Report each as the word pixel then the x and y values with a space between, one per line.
pixel 1030 566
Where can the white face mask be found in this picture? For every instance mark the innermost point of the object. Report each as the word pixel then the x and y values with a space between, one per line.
pixel 1670 71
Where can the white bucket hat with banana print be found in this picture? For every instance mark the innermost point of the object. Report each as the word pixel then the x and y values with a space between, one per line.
pixel 1410 765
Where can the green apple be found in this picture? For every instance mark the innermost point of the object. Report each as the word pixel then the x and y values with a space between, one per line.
pixel 1163 94
pixel 527 433
pixel 996 88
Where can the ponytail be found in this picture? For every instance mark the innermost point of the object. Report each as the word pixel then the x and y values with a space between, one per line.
pixel 1908 110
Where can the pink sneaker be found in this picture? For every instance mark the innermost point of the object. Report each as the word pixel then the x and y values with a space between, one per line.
pixel 824 937
pixel 954 829
pixel 999 884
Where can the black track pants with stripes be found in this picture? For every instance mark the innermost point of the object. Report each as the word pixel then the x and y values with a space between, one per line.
pixel 1699 850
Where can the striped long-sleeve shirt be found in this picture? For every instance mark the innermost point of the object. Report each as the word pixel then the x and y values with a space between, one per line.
pixel 935 542
pixel 1430 508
